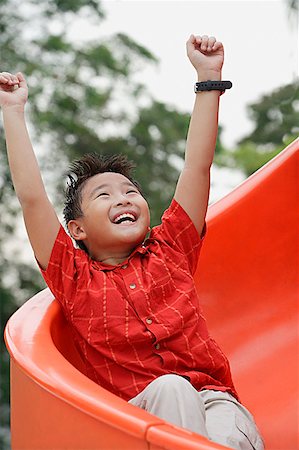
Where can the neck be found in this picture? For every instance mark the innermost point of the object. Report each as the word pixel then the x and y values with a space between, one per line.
pixel 114 260
pixel 110 257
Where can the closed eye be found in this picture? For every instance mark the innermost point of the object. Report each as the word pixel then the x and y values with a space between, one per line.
pixel 132 191
pixel 102 194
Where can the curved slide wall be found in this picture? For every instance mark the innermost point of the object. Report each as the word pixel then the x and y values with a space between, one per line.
pixel 247 278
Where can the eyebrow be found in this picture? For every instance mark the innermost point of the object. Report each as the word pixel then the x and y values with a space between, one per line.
pixel 105 185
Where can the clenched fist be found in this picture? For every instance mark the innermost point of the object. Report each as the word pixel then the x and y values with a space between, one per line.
pixel 13 90
pixel 206 54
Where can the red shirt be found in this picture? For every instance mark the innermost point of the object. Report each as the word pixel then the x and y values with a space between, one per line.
pixel 140 319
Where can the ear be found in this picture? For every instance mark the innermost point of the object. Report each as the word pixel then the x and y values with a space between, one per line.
pixel 76 230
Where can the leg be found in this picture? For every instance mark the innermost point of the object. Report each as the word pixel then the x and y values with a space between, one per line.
pixel 229 423
pixel 174 399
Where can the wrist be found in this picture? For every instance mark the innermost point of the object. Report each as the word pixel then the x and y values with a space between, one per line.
pixel 13 109
pixel 212 85
pixel 213 75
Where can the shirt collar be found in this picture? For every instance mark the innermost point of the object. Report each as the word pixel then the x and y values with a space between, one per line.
pixel 142 249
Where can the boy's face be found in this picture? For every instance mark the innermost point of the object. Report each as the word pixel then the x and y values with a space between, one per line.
pixel 115 217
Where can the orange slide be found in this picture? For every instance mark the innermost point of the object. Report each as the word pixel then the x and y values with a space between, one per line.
pixel 248 282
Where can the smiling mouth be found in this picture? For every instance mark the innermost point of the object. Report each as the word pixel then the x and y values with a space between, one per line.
pixel 125 218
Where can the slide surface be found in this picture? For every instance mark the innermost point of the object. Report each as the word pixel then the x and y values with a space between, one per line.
pixel 247 279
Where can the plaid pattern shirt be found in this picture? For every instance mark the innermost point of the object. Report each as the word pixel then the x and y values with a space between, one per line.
pixel 140 319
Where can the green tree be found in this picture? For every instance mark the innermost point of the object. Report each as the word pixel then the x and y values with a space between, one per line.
pixel 276 118
pixel 83 97
pixel 293 8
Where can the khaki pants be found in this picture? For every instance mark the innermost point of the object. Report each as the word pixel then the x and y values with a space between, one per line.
pixel 213 414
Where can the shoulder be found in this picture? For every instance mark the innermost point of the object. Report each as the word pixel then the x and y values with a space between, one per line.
pixel 65 257
pixel 178 234
pixel 177 224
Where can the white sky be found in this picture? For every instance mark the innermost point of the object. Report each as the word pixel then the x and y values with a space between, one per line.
pixel 261 53
pixel 261 49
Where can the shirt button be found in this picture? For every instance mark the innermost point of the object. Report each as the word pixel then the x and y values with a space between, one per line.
pixel 124 266
pixel 132 286
pixel 149 321
pixel 157 346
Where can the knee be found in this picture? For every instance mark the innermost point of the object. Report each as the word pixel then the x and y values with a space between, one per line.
pixel 172 383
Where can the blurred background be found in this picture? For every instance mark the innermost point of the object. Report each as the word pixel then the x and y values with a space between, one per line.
pixel 113 76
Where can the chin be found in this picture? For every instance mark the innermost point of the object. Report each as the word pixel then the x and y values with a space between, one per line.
pixel 133 238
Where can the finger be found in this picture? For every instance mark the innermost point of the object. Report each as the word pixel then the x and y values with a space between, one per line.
pixel 191 41
pixel 211 42
pixel 15 79
pixel 8 78
pixel 198 40
pixel 4 76
pixel 204 42
pixel 218 45
pixel 190 44
pixel 21 79
pixel 192 38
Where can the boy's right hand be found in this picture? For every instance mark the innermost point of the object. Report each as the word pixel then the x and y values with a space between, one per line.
pixel 13 90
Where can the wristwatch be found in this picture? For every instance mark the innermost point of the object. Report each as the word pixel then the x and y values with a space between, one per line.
pixel 212 86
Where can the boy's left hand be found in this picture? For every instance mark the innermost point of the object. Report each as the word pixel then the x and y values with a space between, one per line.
pixel 206 54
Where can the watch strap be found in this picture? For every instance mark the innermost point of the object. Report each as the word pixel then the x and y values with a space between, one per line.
pixel 210 85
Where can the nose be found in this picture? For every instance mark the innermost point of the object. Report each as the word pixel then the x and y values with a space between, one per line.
pixel 122 200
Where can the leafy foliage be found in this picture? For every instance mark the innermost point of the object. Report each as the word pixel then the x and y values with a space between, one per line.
pixel 276 123
pixel 276 116
pixel 82 97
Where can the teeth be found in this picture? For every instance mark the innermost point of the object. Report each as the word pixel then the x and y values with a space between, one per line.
pixel 127 216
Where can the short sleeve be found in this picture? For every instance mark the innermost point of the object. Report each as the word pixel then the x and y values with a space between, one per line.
pixel 64 267
pixel 178 231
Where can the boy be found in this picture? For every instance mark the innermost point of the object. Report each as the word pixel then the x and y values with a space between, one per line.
pixel 131 301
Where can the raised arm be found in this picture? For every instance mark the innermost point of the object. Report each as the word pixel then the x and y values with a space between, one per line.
pixel 40 218
pixel 192 191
